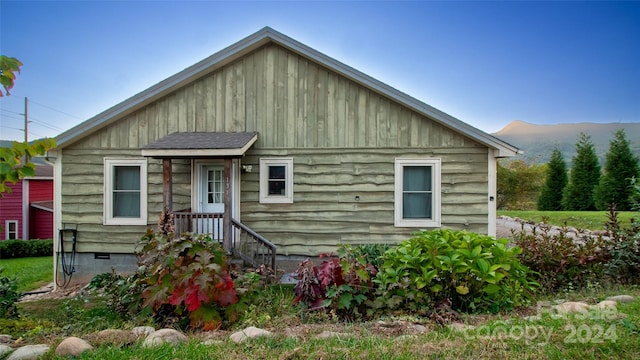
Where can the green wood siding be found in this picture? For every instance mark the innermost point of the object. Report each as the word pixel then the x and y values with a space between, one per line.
pixel 326 182
pixel 82 199
pixel 343 138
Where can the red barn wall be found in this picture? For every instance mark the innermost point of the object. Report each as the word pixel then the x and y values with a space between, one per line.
pixel 40 221
pixel 40 190
pixel 11 209
pixel 40 224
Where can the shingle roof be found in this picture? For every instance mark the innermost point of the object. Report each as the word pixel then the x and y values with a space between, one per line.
pixel 201 144
pixel 203 140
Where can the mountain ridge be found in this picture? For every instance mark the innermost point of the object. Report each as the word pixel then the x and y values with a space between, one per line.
pixel 538 141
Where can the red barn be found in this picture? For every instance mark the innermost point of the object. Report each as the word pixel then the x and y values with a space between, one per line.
pixel 27 212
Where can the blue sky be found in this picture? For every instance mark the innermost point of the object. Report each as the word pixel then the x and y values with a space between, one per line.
pixel 486 63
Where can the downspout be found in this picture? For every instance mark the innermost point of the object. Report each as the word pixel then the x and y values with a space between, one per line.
pixel 25 210
pixel 54 157
pixel 492 169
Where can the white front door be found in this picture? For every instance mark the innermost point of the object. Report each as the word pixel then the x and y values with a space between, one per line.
pixel 210 199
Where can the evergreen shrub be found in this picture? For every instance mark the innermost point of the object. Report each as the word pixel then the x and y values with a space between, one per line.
pixel 10 249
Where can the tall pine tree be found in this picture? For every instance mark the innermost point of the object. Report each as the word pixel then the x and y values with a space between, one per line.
pixel 619 168
pixel 584 177
pixel 550 198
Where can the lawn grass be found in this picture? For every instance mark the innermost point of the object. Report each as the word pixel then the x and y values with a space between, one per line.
pixel 31 272
pixel 605 335
pixel 592 220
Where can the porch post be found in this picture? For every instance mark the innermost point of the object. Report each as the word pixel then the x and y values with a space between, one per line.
pixel 167 184
pixel 226 222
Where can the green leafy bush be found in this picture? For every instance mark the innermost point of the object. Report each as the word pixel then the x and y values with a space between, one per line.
pixel 342 284
pixel 8 297
pixel 562 260
pixel 186 277
pixel 10 249
pixel 371 253
pixel 123 294
pixel 624 248
pixel 473 272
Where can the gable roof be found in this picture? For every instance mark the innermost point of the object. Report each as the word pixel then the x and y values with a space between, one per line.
pixel 250 43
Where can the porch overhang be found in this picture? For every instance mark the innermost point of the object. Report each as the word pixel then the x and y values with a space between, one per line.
pixel 201 145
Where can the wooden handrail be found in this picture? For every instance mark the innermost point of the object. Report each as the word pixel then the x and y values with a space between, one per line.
pixel 251 252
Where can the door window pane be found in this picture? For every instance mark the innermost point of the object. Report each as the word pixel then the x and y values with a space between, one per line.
pixel 215 185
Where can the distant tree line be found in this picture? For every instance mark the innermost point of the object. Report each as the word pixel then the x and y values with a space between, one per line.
pixel 585 187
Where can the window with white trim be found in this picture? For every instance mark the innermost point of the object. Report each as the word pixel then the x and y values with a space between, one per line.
pixel 11 229
pixel 417 192
pixel 125 191
pixel 276 180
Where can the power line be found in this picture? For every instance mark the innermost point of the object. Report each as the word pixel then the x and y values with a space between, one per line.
pixel 9 127
pixel 43 122
pixel 13 117
pixel 54 109
pixel 13 112
pixel 51 127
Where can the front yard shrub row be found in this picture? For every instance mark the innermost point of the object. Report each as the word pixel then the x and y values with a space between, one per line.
pixel 343 284
pixel 186 276
pixel 10 249
pixel 466 271
pixel 186 282
pixel 472 272
pixel 564 259
pixel 182 282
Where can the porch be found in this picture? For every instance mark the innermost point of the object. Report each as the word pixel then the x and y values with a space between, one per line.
pixel 215 168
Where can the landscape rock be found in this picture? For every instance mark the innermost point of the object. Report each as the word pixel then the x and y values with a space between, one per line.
pixel 72 346
pixel 248 333
pixel 622 298
pixel 418 328
pixel 112 337
pixel 571 307
pixel 29 352
pixel 162 336
pixel 606 304
pixel 4 350
pixel 506 226
pixel 6 339
pixel 142 331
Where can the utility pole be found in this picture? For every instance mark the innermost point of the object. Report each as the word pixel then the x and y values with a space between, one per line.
pixel 26 120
